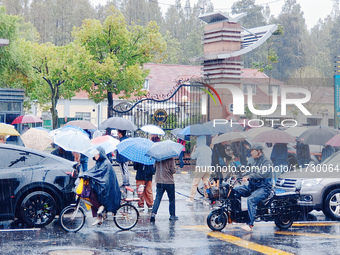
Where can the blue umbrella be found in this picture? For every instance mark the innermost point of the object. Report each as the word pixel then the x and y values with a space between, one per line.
pixel 135 148
pixel 195 130
pixel 164 150
pixel 218 126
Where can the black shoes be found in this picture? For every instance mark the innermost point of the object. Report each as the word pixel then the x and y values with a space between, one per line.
pixel 153 217
pixel 173 217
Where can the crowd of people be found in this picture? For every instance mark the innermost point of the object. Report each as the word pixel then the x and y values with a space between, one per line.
pixel 105 193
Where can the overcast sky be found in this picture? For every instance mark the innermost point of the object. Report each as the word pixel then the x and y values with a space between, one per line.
pixel 313 9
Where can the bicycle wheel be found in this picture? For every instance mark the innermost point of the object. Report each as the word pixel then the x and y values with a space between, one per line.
pixel 126 217
pixel 72 219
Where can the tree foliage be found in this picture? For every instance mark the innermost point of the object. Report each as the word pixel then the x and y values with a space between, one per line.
pixel 118 52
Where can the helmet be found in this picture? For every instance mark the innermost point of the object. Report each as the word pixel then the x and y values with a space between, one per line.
pixel 256 146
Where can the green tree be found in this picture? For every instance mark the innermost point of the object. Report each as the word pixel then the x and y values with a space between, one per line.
pixel 290 48
pixel 118 53
pixel 53 74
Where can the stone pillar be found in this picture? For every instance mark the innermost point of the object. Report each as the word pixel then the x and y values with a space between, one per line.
pixel 221 37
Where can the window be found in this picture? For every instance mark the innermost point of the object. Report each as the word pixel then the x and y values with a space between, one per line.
pixel 83 116
pixel 18 159
pixel 246 86
pixel 146 84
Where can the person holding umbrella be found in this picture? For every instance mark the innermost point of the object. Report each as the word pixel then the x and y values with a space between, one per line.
pixel 123 161
pixel 144 177
pixel 165 170
pixel 203 155
pixel 2 139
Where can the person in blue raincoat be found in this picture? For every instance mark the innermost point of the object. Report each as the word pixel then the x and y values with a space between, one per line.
pixel 327 151
pixel 279 157
pixel 105 191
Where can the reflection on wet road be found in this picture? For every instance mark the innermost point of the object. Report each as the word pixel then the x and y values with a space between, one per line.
pixel 188 235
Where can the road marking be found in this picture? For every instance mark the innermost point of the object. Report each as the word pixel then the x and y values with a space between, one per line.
pixel 19 229
pixel 316 224
pixel 239 241
pixel 306 234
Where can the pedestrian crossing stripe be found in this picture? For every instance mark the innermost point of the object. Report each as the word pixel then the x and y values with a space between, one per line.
pixel 239 241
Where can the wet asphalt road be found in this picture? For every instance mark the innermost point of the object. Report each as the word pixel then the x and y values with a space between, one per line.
pixel 188 235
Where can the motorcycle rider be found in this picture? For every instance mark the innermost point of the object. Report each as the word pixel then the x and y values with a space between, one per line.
pixel 259 184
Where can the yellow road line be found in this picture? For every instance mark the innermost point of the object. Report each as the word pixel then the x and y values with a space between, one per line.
pixel 239 241
pixel 306 234
pixel 316 224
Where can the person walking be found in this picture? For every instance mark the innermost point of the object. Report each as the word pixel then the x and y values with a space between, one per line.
pixel 259 183
pixel 279 157
pixel 144 177
pixel 327 151
pixel 302 154
pixel 123 161
pixel 202 153
pixel 181 162
pixel 164 178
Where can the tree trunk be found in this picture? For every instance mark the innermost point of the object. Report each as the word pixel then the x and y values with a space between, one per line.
pixel 109 105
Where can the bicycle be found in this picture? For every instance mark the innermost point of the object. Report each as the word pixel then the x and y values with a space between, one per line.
pixel 72 218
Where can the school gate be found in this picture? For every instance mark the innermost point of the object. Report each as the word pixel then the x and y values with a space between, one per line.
pixel 185 104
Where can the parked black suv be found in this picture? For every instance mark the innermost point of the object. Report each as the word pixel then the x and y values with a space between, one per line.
pixel 34 186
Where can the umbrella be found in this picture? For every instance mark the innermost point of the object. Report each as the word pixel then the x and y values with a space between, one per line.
pixel 54 132
pixel 295 131
pixel 106 141
pixel 153 129
pixel 218 126
pixel 73 141
pixel 118 123
pixel 23 119
pixel 228 137
pixel 318 135
pixel 84 124
pixel 274 136
pixel 6 129
pixel 135 149
pixel 334 141
pixel 195 130
pixel 164 150
pixel 175 131
pixel 256 131
pixel 36 139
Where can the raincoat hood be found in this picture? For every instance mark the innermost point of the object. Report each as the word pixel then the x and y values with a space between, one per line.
pixel 201 141
pixel 102 154
pixel 104 183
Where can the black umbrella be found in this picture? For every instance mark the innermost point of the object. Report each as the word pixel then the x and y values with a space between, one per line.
pixel 118 123
pixel 318 135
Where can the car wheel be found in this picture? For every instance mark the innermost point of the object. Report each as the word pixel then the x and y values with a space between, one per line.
pixel 331 207
pixel 38 209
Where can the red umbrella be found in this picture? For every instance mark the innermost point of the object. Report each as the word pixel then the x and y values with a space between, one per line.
pixel 23 119
pixel 334 141
pixel 274 136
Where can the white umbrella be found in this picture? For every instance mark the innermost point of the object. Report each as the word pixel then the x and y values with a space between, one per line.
pixel 153 129
pixel 71 140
